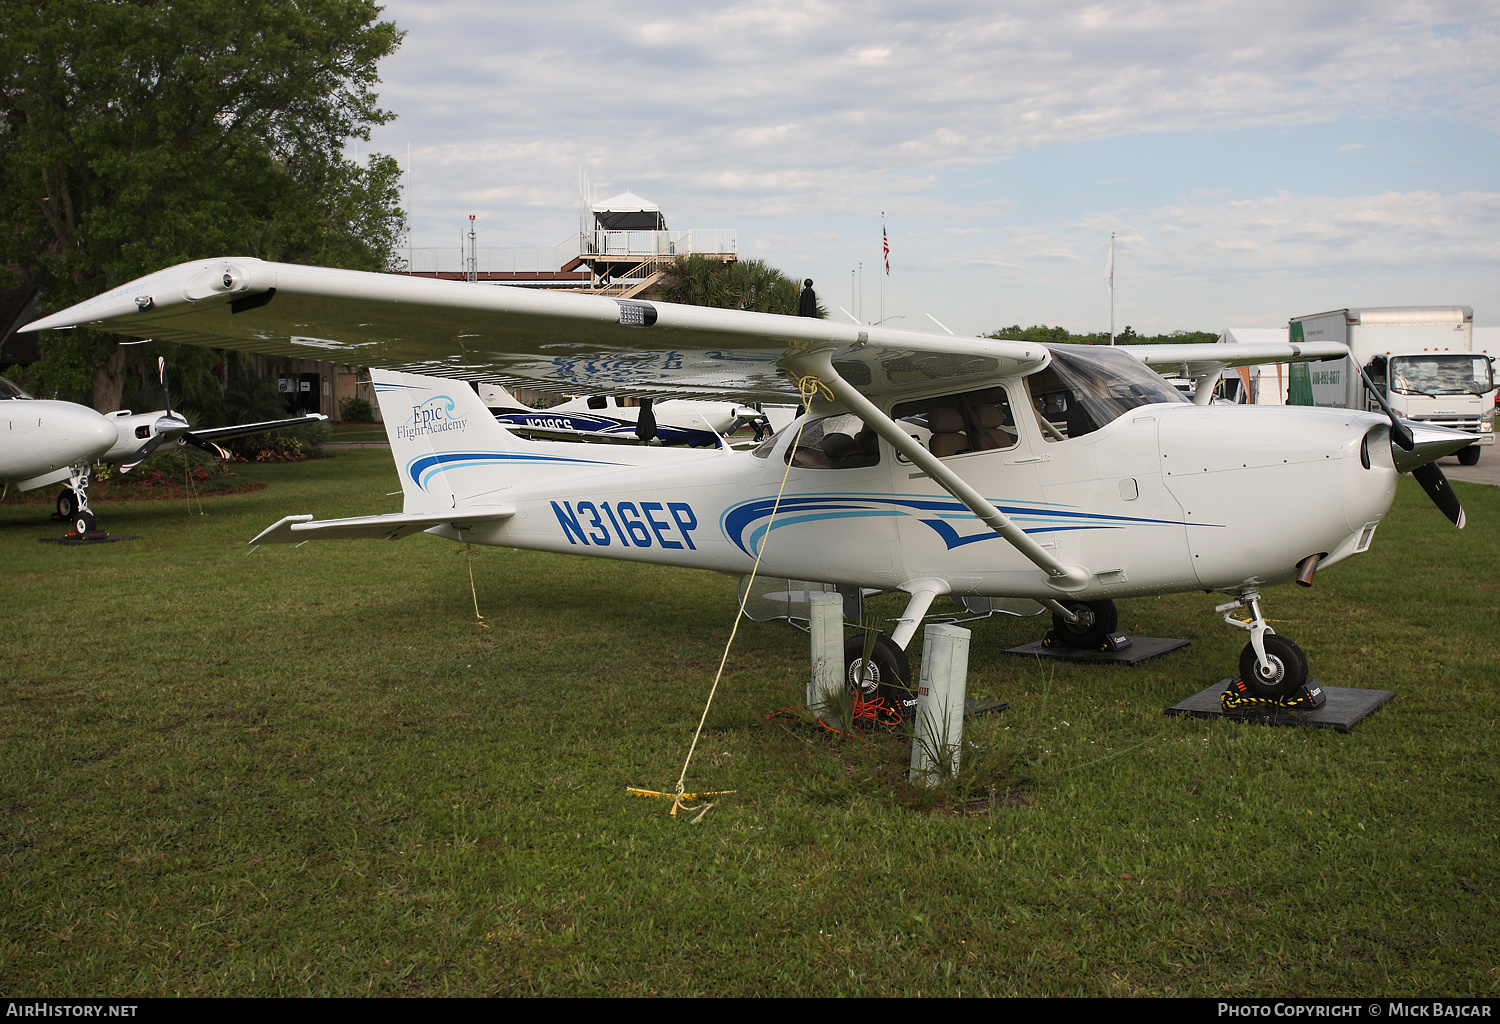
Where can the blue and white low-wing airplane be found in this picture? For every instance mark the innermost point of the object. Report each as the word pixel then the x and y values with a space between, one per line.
pixel 606 418
pixel 926 463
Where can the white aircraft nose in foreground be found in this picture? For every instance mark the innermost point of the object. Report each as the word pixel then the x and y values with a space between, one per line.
pixel 929 464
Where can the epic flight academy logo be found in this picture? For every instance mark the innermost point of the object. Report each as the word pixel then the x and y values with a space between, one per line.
pixel 434 416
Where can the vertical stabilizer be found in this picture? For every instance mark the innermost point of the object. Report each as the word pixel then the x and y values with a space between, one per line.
pixel 450 452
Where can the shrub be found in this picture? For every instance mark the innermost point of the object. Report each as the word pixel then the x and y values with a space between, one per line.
pixel 356 409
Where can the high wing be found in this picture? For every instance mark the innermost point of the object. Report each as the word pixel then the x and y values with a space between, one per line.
pixel 1200 363
pixel 569 343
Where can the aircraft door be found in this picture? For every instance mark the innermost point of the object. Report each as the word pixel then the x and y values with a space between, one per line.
pixel 836 520
pixel 976 435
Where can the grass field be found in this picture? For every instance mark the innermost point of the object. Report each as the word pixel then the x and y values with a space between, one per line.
pixel 309 770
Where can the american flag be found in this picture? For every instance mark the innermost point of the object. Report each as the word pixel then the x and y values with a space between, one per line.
pixel 886 243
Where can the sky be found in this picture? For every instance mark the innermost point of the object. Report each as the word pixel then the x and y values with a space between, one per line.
pixel 1255 161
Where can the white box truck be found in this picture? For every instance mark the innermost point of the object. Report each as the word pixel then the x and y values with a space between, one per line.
pixel 1422 358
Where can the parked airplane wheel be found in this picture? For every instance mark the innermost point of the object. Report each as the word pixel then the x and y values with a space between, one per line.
pixel 1096 620
pixel 884 695
pixel 67 503
pixel 1286 673
pixel 1469 456
pixel 83 522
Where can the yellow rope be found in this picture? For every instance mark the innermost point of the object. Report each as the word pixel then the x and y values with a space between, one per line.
pixel 807 387
pixel 469 557
pixel 192 491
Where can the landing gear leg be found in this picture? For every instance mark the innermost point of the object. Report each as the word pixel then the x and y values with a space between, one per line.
pixel 1271 666
pixel 76 497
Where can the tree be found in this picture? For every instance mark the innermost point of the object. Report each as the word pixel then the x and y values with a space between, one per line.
pixel 745 284
pixel 142 133
pixel 1063 336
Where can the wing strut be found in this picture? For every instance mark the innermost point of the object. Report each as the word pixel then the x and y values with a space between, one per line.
pixel 1066 578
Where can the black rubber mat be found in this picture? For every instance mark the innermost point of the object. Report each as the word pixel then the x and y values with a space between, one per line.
pixel 1342 710
pixel 1141 648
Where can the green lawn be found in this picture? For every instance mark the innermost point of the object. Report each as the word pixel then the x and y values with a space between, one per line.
pixel 309 770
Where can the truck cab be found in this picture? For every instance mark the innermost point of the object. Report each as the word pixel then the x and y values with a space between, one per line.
pixel 1421 358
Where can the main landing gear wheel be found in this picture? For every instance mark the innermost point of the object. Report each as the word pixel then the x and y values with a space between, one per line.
pixel 1285 674
pixel 883 695
pixel 1096 620
pixel 1469 456
pixel 67 503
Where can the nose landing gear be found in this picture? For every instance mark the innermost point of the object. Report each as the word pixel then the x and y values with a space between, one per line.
pixel 1271 666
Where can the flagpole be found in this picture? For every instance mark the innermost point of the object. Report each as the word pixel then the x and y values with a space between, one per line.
pixel 1110 278
pixel 885 258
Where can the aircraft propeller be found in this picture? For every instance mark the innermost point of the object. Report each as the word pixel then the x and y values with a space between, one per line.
pixel 167 426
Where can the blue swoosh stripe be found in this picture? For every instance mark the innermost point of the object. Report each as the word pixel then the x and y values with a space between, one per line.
pixel 425 467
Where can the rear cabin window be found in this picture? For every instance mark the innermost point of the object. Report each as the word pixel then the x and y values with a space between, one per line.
pixel 975 421
pixel 835 442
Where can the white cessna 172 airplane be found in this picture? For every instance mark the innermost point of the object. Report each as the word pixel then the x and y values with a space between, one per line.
pixel 46 442
pixel 926 463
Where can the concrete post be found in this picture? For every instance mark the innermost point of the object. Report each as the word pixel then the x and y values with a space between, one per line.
pixel 939 728
pixel 825 614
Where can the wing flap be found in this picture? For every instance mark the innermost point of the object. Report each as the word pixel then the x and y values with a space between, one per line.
pixel 393 526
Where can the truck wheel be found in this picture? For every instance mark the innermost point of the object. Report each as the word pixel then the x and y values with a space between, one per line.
pixel 1469 456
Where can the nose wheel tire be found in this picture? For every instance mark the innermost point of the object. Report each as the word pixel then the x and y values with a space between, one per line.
pixel 83 522
pixel 883 695
pixel 67 503
pixel 1096 620
pixel 1283 676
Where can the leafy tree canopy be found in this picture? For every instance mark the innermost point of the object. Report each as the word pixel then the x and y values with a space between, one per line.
pixel 1063 336
pixel 745 284
pixel 136 134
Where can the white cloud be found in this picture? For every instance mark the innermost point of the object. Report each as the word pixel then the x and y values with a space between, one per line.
pixel 798 121
pixel 850 94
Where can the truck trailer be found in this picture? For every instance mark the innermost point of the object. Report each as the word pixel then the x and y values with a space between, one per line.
pixel 1421 358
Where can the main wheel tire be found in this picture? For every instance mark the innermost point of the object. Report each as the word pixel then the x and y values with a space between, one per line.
pixel 1287 671
pixel 1096 620
pixel 1469 456
pixel 883 694
pixel 67 503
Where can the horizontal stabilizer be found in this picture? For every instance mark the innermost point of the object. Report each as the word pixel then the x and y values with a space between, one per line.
pixel 296 529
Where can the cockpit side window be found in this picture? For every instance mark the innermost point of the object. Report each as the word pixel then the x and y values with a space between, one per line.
pixel 1084 387
pixel 9 389
pixel 974 421
pixel 835 442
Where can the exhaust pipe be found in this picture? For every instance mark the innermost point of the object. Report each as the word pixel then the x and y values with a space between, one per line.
pixel 1307 569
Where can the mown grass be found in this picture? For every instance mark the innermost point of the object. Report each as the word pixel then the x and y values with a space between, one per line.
pixel 309 770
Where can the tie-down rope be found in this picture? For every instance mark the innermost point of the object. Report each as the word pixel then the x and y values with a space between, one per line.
pixel 807 387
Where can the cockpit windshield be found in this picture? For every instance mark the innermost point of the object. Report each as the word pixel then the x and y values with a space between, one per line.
pixel 1087 386
pixel 8 389
pixel 1441 375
